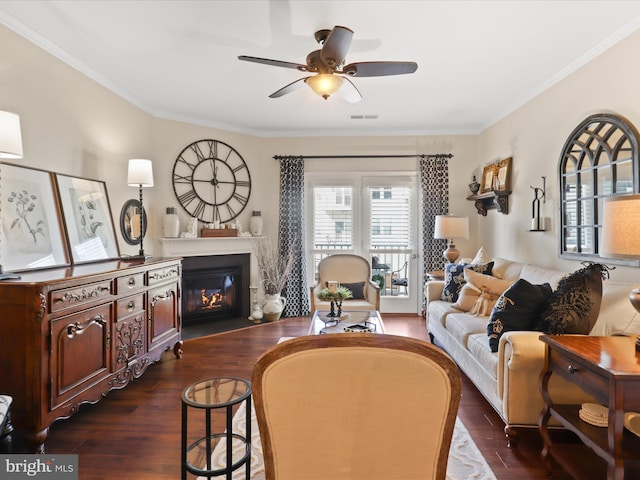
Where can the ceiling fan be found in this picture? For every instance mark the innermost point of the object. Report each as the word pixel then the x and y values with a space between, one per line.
pixel 328 65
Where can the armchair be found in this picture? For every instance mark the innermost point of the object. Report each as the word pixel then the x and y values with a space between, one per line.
pixel 353 272
pixel 398 399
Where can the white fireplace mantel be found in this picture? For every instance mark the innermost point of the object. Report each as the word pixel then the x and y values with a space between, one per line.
pixel 188 247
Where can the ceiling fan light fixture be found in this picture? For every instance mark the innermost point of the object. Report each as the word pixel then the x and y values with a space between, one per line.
pixel 324 84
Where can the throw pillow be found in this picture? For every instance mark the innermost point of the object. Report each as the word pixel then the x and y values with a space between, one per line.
pixel 517 309
pixel 574 306
pixel 480 292
pixel 357 289
pixel 454 278
pixel 481 257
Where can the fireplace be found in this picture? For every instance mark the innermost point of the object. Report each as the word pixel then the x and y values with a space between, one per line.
pixel 215 287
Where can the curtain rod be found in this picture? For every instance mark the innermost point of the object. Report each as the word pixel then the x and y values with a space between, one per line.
pixel 280 157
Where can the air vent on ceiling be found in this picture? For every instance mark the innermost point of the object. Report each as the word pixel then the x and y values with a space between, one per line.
pixel 363 117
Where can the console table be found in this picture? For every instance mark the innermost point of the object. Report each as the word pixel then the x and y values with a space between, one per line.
pixel 608 369
pixel 70 335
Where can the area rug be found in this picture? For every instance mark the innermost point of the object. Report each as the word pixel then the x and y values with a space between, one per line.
pixel 465 460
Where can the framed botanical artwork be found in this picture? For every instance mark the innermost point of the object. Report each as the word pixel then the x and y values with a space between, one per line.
pixel 488 178
pixel 503 175
pixel 87 218
pixel 32 233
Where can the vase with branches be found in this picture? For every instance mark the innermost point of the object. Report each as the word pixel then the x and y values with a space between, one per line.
pixel 274 266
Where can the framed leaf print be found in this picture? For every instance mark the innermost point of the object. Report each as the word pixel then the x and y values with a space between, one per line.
pixel 87 218
pixel 32 233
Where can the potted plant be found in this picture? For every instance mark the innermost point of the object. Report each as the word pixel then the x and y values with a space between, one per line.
pixel 335 297
pixel 274 270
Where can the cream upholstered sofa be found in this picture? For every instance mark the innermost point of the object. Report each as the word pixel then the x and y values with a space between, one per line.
pixel 352 271
pixel 509 378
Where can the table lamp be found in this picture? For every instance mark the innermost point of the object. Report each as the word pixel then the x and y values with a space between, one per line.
pixel 449 227
pixel 140 175
pixel 11 148
pixel 621 232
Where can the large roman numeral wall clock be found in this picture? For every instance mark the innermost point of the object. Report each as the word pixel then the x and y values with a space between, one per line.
pixel 211 181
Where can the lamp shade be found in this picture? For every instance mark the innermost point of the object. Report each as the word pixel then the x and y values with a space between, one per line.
pixel 621 227
pixel 140 173
pixel 324 84
pixel 451 226
pixel 10 136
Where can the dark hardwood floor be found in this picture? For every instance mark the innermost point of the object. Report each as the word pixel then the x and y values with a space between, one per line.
pixel 134 433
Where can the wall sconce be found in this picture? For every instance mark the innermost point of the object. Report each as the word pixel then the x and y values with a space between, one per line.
pixel 537 220
pixel 140 175
pixel 11 148
pixel 450 227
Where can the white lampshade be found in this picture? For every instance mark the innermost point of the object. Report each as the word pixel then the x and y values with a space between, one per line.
pixel 140 173
pixel 451 226
pixel 621 227
pixel 324 84
pixel 10 136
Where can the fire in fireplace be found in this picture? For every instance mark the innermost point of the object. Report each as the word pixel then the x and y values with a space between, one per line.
pixel 215 287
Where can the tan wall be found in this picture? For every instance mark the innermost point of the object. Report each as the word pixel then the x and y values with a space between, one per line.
pixel 535 134
pixel 73 125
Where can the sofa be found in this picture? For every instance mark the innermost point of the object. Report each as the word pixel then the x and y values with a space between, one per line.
pixel 509 378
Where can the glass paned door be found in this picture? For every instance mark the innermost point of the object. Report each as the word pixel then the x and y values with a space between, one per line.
pixel 374 217
pixel 390 239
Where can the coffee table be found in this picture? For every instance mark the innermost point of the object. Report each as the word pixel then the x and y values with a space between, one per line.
pixel 321 323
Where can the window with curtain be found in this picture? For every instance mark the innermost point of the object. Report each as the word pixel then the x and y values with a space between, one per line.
pixel 598 160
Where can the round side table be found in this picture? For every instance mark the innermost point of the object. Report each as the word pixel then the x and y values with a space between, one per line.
pixel 208 395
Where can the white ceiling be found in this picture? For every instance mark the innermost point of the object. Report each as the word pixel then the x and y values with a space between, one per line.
pixel 477 60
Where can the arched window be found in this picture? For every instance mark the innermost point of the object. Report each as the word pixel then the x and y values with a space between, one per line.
pixel 598 160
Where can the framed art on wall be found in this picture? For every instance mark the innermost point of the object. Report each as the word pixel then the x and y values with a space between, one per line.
pixel 32 233
pixel 503 175
pixel 488 178
pixel 87 217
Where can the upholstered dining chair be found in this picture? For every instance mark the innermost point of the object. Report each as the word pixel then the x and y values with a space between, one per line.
pixel 351 271
pixel 357 406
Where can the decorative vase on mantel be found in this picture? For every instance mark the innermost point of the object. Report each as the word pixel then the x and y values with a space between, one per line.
pixel 273 306
pixel 255 223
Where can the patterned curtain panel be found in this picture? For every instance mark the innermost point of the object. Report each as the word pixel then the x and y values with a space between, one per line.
pixel 292 229
pixel 434 174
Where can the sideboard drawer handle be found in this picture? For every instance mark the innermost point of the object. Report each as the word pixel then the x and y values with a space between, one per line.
pixel 132 282
pixel 572 369
pixel 131 306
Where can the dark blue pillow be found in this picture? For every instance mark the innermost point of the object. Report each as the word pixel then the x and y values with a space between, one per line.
pixel 518 308
pixel 357 289
pixel 454 278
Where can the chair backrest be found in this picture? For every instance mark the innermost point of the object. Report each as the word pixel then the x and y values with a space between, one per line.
pixel 345 268
pixel 355 406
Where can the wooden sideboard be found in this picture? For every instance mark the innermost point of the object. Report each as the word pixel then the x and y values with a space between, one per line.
pixel 70 335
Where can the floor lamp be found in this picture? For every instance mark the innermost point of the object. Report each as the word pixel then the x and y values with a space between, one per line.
pixel 140 175
pixel 10 148
pixel 450 227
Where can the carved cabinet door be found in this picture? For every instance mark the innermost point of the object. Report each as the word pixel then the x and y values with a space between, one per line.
pixel 163 318
pixel 80 354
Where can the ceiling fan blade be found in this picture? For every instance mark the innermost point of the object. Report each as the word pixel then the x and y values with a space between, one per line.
pixel 335 47
pixel 379 69
pixel 275 63
pixel 349 91
pixel 289 88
